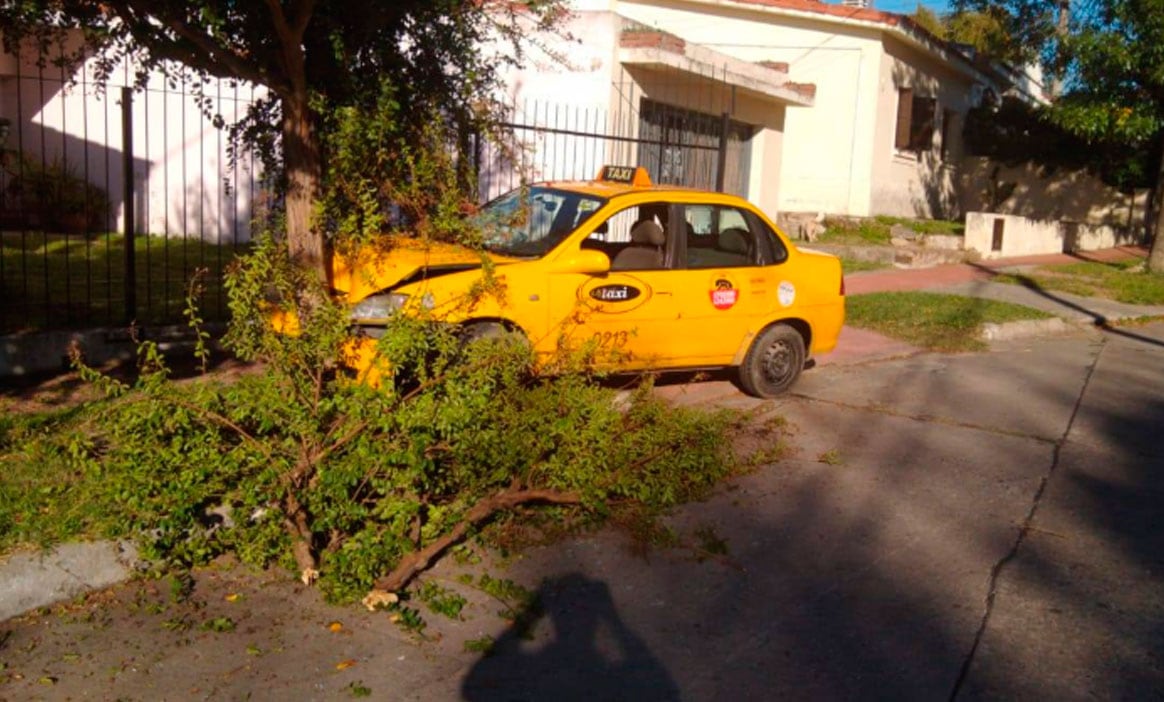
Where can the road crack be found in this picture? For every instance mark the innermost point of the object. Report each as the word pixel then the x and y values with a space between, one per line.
pixel 1025 529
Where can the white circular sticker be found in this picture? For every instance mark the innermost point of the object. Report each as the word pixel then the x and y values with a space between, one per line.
pixel 786 293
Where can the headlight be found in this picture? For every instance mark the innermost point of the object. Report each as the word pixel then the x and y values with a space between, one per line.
pixel 378 308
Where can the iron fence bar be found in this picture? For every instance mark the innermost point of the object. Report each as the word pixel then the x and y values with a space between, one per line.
pixel 222 197
pixel 44 230
pixel 166 206
pixel 87 227
pixel 127 184
pixel 64 173
pixel 20 174
pixel 150 302
pixel 108 218
pixel 721 167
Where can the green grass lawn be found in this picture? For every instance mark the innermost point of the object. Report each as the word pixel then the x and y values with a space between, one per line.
pixel 852 265
pixel 874 231
pixel 55 280
pixel 1113 281
pixel 42 499
pixel 932 320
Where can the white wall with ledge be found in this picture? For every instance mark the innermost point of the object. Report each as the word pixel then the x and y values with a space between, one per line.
pixel 1002 236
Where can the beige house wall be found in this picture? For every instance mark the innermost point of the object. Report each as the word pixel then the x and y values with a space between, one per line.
pixel 180 161
pixel 839 156
pixel 918 184
pixel 586 72
pixel 824 161
pixel 1035 192
pixel 764 179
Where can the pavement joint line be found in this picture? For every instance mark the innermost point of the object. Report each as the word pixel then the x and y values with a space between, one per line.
pixel 879 359
pixel 927 419
pixel 1024 530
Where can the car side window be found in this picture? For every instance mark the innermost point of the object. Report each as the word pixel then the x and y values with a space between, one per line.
pixel 634 238
pixel 719 237
pixel 771 247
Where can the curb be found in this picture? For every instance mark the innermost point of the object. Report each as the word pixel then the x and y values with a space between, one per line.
pixel 1027 328
pixel 36 579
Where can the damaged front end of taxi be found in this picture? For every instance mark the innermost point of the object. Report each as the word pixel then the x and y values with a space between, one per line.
pixel 380 286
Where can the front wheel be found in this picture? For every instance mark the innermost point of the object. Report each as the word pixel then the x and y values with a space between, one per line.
pixel 475 333
pixel 773 363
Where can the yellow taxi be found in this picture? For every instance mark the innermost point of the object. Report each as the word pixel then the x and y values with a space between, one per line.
pixel 667 278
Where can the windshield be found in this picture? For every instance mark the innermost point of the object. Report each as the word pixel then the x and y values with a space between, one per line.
pixel 532 220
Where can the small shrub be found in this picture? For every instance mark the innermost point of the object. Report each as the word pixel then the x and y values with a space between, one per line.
pixel 359 488
pixel 363 488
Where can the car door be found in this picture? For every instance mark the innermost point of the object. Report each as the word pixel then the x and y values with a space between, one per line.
pixel 727 282
pixel 627 315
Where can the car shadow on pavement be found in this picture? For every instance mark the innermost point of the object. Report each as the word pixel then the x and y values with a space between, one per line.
pixel 592 655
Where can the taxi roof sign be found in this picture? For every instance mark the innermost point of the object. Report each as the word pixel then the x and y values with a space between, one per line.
pixel 628 175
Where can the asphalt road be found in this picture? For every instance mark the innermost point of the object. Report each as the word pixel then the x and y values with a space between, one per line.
pixel 946 526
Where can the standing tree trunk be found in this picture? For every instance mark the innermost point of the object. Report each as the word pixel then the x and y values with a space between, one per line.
pixel 301 159
pixel 1156 254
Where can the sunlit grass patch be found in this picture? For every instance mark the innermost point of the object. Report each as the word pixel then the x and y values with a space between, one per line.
pixel 43 500
pixel 1121 281
pixel 876 230
pixel 852 265
pixel 932 320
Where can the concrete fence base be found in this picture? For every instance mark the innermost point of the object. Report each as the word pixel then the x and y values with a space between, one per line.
pixel 34 353
pixel 1000 235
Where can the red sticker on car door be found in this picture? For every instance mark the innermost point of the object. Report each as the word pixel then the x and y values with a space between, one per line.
pixel 724 295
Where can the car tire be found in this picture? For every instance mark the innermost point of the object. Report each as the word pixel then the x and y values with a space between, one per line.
pixel 478 331
pixel 773 362
pixel 490 332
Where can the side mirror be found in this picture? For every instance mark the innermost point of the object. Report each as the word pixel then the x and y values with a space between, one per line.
pixel 587 261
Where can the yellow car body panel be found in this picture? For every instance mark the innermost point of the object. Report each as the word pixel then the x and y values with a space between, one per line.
pixel 671 318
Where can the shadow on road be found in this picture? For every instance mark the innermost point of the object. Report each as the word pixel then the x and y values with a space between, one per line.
pixel 1099 319
pixel 592 656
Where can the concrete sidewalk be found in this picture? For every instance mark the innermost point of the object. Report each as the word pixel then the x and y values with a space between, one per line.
pixel 900 279
pixel 974 280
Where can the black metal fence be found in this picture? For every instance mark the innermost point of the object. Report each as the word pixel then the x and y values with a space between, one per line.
pixel 111 200
pixel 682 132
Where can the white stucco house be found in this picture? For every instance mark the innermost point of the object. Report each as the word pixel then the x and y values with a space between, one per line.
pixel 59 123
pixel 833 109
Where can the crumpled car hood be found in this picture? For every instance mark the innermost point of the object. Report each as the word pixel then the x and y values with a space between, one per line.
pixel 399 260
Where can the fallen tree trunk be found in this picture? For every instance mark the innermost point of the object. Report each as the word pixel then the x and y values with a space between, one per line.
pixel 417 561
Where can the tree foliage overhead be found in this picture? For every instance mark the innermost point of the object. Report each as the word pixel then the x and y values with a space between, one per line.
pixel 985 30
pixel 1014 132
pixel 1109 55
pixel 311 54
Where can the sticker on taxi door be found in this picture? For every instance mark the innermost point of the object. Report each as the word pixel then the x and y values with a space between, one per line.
pixel 615 294
pixel 723 293
pixel 786 293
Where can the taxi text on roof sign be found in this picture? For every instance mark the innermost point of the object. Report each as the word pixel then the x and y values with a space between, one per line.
pixel 637 176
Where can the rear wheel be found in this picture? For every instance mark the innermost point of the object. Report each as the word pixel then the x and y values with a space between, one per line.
pixel 773 363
